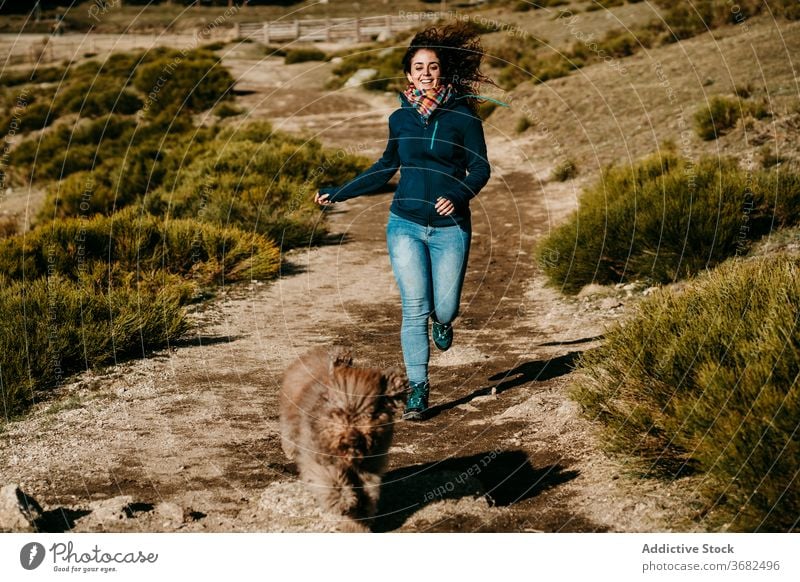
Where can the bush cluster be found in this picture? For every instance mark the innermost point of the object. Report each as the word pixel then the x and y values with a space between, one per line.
pixel 566 170
pixel 721 113
pixel 263 184
pixel 163 83
pixel 684 20
pixel 176 82
pixel 52 327
pixel 526 5
pixel 708 380
pixel 125 160
pixel 302 55
pixel 11 78
pixel 133 242
pixel 78 293
pixel 143 213
pixel 665 219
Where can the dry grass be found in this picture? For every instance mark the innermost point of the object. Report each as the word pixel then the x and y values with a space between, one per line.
pixel 52 327
pixel 665 219
pixel 706 380
pixel 599 116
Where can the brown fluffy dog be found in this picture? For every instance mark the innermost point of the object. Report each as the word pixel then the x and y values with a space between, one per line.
pixel 336 424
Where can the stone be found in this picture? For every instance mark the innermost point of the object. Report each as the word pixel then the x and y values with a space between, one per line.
pixel 111 510
pixel 360 77
pixel 610 303
pixel 595 290
pixel 170 512
pixel 18 511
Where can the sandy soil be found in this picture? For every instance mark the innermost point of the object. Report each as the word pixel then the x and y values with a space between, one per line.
pixel 186 439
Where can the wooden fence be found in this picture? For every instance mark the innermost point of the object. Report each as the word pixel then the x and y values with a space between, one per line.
pixel 42 48
pixel 331 29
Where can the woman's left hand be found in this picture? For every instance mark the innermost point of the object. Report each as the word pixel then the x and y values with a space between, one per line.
pixel 444 206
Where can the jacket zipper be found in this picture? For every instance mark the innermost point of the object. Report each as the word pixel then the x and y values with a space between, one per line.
pixel 433 135
pixel 425 173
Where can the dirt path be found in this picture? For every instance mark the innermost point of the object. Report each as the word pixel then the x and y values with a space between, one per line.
pixel 187 439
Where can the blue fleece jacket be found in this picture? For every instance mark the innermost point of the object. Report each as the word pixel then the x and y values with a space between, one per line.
pixel 445 157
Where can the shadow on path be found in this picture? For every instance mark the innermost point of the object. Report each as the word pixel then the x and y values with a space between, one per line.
pixel 581 340
pixel 536 371
pixel 502 478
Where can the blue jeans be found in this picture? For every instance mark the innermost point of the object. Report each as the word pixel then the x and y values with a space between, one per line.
pixel 429 264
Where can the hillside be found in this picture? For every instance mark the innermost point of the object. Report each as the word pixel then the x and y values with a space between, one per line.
pixel 598 116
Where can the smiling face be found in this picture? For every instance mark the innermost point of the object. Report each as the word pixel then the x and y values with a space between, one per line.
pixel 425 70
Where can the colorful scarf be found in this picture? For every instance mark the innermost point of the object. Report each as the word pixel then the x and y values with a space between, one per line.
pixel 426 101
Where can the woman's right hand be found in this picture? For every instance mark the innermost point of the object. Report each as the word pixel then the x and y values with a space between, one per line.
pixel 322 199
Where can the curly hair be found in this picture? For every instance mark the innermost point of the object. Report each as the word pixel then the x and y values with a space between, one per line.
pixel 460 53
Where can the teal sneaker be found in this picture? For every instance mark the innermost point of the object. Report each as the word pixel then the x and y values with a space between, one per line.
pixel 417 403
pixel 442 334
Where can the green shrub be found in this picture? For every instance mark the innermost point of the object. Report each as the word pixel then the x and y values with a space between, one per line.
pixel 598 4
pixel 26 109
pixel 264 185
pixel 123 65
pixel 554 66
pixel 686 20
pixel 720 115
pixel 9 226
pixel 515 58
pixel 66 150
pixel 255 131
pixel 620 44
pixel 214 46
pixel 35 75
pixel 247 176
pixel 195 83
pixel 743 91
pixel 564 171
pixel 133 242
pixel 717 117
pixel 52 327
pixel 769 157
pixel 151 154
pixel 95 101
pixel 275 51
pixel 92 89
pixel 513 74
pixel 110 186
pixel 37 116
pixel 523 123
pixel 225 109
pixel 789 9
pixel 665 219
pixel 707 379
pixel 526 5
pixel 169 79
pixel 302 55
